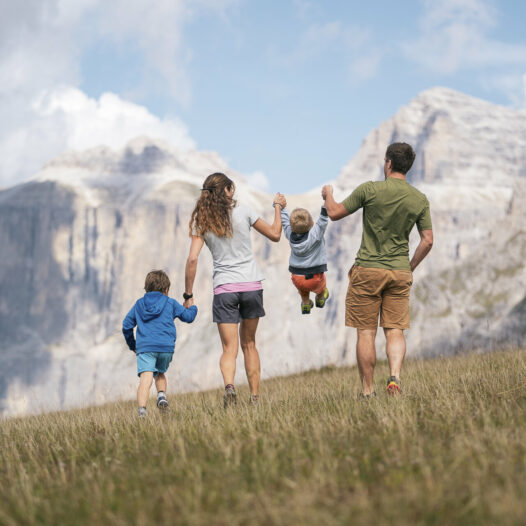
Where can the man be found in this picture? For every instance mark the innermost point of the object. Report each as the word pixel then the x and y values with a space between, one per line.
pixel 381 277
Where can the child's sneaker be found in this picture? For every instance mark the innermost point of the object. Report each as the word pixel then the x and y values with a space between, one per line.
pixel 322 298
pixel 142 412
pixel 393 386
pixel 306 307
pixel 254 400
pixel 162 402
pixel 230 396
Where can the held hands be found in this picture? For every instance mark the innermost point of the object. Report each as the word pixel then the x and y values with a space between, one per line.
pixel 188 303
pixel 280 200
pixel 326 190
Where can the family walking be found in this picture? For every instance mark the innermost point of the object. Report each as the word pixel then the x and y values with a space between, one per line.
pixel 379 281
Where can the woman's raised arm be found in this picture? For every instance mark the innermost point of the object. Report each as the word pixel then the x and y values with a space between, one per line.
pixel 273 231
pixel 191 267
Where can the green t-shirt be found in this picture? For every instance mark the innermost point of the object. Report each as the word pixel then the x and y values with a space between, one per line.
pixel 390 210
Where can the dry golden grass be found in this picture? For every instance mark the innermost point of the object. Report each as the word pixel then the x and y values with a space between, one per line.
pixel 451 450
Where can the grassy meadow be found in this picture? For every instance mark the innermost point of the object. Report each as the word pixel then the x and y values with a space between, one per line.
pixel 451 450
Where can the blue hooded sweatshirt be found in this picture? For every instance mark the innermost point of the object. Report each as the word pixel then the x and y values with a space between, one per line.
pixel 154 316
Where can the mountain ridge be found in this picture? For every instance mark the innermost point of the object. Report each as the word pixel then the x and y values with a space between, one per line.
pixel 81 235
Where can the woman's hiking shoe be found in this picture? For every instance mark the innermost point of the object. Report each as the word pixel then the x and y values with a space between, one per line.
pixel 142 412
pixel 367 396
pixel 254 400
pixel 230 396
pixel 306 307
pixel 393 386
pixel 322 298
pixel 162 402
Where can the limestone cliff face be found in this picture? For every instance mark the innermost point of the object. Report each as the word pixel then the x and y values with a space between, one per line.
pixel 78 240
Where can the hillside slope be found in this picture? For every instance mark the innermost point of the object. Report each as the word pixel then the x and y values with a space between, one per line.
pixel 78 240
pixel 450 451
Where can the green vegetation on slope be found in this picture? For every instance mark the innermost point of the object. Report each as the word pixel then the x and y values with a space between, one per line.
pixel 451 450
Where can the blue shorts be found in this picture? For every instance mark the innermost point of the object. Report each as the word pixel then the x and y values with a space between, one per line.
pixel 156 362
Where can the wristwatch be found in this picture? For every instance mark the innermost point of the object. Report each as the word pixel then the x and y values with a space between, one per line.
pixel 187 296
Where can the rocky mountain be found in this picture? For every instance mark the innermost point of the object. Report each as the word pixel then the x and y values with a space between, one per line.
pixel 78 239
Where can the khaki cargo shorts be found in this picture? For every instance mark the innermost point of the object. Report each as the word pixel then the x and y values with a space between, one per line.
pixel 374 291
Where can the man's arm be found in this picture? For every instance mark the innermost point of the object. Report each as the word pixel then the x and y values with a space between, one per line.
pixel 423 248
pixel 335 210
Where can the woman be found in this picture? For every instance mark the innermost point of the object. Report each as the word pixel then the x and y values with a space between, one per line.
pixel 238 293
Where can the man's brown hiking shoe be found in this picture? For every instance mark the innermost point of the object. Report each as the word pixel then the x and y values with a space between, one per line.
pixel 393 386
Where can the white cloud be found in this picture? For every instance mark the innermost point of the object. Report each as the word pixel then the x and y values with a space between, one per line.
pixel 66 119
pixel 513 85
pixel 258 180
pixel 109 120
pixel 41 45
pixel 453 35
pixel 302 7
pixel 157 29
pixel 354 43
pixel 365 66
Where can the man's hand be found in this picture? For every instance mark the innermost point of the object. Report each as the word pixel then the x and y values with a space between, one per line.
pixel 188 303
pixel 280 200
pixel 335 210
pixel 326 190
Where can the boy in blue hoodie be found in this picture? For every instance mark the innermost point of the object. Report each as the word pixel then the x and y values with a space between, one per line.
pixel 308 257
pixel 154 315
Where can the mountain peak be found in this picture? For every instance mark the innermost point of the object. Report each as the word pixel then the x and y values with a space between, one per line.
pixel 457 139
pixel 442 97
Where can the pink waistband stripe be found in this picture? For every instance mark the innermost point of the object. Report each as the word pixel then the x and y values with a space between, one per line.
pixel 238 287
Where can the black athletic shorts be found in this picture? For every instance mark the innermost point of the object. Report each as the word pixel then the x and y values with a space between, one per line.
pixel 232 307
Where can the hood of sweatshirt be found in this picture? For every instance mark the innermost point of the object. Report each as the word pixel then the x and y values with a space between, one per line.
pixel 299 243
pixel 151 305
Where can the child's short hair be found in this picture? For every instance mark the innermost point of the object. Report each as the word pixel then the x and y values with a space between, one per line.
pixel 300 221
pixel 157 280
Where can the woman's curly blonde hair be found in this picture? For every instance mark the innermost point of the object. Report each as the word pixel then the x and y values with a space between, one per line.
pixel 213 210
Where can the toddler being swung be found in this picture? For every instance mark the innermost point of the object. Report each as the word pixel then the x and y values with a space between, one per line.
pixel 308 257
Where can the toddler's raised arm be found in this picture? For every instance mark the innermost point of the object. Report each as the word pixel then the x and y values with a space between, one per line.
pixel 285 222
pixel 318 230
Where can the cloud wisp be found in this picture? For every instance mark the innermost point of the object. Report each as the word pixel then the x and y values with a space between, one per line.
pixel 455 36
pixel 41 47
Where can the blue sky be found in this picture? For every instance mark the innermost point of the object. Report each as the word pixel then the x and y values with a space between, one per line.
pixel 286 88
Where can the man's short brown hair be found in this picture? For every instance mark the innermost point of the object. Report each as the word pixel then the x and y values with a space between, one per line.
pixel 157 280
pixel 401 156
pixel 300 221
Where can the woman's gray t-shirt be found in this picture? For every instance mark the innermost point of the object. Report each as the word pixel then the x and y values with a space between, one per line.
pixel 233 257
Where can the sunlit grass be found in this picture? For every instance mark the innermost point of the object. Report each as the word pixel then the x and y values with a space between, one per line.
pixel 451 450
